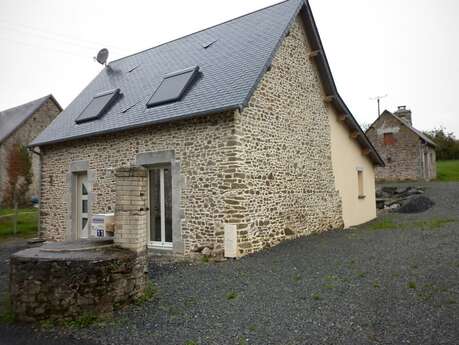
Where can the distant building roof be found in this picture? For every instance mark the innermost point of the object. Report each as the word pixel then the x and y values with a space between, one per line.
pixel 231 58
pixel 419 133
pixel 13 118
pixel 410 127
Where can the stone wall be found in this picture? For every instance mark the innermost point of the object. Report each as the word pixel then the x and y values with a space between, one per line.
pixel 67 286
pixel 131 208
pixel 201 146
pixel 405 158
pixel 24 135
pixel 282 183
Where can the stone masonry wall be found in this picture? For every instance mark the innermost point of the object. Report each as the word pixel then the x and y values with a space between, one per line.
pixel 283 183
pixel 200 144
pixel 404 158
pixel 70 285
pixel 24 135
pixel 131 208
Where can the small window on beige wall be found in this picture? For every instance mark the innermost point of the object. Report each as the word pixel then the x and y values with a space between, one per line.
pixel 360 183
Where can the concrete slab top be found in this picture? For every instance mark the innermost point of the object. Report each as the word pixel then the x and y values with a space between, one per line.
pixel 77 245
pixel 81 250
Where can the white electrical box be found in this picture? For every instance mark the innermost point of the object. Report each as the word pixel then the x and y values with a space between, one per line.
pixel 103 225
pixel 230 240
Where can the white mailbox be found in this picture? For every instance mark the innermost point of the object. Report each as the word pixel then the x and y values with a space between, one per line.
pixel 103 225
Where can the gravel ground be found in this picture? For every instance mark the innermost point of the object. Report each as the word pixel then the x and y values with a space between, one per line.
pixel 374 284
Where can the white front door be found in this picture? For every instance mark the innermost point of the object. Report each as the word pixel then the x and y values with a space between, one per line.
pixel 160 194
pixel 82 223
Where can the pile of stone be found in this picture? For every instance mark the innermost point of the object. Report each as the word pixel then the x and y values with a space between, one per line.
pixel 402 199
pixel 208 250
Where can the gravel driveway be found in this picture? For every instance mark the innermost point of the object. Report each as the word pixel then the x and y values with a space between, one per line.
pixel 392 281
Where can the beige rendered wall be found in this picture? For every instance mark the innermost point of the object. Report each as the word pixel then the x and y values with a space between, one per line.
pixel 347 158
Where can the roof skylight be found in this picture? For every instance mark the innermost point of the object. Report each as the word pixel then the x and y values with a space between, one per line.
pixel 173 86
pixel 98 106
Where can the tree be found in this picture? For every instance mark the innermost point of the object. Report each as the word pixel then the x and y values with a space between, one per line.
pixel 447 145
pixel 19 176
pixel 365 126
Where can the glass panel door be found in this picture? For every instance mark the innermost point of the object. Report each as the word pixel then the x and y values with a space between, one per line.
pixel 82 206
pixel 161 207
pixel 168 205
pixel 155 206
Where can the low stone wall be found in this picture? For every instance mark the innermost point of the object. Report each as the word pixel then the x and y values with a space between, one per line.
pixel 59 286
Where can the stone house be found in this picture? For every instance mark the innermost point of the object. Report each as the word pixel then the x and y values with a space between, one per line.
pixel 234 135
pixel 20 125
pixel 408 153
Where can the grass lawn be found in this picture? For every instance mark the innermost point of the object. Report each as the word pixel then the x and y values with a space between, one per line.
pixel 27 222
pixel 448 170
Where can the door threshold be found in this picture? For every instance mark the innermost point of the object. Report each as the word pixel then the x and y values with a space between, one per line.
pixel 160 248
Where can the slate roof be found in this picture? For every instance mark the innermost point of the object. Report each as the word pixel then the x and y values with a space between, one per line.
pixel 229 71
pixel 13 118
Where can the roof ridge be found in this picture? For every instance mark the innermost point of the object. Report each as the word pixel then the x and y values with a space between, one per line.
pixel 416 131
pixel 15 112
pixel 193 33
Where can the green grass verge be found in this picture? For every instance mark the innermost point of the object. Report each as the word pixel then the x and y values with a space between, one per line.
pixel 448 170
pixel 6 211
pixel 428 224
pixel 27 223
pixel 384 224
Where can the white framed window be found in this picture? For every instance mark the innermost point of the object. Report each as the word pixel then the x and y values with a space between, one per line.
pixel 160 202
pixel 82 206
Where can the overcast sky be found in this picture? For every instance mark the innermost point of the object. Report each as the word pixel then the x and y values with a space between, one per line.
pixel 407 49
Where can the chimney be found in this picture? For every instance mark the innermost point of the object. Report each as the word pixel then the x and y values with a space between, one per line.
pixel 404 114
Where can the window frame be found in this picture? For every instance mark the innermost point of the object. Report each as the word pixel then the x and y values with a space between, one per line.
pixel 360 183
pixel 162 244
pixel 114 94
pixel 180 92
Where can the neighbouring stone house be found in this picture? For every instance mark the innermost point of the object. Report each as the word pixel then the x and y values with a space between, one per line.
pixel 234 135
pixel 20 125
pixel 408 153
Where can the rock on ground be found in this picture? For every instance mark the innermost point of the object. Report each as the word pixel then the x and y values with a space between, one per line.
pixel 416 205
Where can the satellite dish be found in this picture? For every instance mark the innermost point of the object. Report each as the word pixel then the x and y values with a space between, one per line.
pixel 102 56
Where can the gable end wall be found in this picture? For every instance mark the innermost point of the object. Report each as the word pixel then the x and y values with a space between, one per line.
pixel 284 185
pixel 405 158
pixel 23 135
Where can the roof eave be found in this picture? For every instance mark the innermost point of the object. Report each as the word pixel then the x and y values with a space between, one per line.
pixel 137 125
pixel 45 99
pixel 329 83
